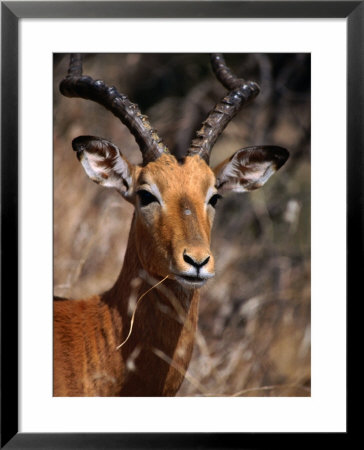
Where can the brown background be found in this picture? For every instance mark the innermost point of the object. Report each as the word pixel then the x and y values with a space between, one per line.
pixel 254 321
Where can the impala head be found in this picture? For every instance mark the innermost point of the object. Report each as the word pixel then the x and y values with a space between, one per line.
pixel 174 200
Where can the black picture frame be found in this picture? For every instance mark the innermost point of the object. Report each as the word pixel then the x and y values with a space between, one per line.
pixel 11 12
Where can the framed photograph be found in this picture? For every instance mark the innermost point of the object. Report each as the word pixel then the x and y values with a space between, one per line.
pixel 281 262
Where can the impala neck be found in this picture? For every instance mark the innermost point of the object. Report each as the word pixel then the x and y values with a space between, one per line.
pixel 163 331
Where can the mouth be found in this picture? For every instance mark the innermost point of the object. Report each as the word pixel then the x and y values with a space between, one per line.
pixel 191 281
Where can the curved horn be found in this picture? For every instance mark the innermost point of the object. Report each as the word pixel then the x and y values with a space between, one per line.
pixel 77 85
pixel 241 92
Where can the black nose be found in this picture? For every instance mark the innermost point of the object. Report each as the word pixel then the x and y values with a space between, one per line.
pixel 195 263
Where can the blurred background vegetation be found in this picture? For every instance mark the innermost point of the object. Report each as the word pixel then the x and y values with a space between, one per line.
pixel 254 321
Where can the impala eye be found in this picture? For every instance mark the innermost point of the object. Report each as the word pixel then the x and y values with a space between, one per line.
pixel 146 197
pixel 214 199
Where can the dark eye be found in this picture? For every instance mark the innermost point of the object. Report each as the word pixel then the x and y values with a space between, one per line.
pixel 146 198
pixel 213 200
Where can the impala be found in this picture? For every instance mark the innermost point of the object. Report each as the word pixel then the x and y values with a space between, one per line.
pixel 107 345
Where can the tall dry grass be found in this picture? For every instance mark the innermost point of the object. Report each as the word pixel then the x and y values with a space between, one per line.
pixel 254 321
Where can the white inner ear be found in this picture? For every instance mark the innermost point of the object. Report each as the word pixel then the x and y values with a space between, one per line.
pixel 121 167
pixel 114 173
pixel 267 170
pixel 259 173
pixel 237 177
pixel 90 164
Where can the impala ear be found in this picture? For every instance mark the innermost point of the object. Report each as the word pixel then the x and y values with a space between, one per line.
pixel 104 163
pixel 249 168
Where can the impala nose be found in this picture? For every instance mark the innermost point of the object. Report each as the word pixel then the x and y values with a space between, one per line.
pixel 194 262
pixel 195 266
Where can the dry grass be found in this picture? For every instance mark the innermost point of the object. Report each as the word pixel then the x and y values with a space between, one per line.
pixel 254 321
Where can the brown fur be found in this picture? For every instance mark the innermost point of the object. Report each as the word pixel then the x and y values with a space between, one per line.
pixel 87 332
pixel 169 236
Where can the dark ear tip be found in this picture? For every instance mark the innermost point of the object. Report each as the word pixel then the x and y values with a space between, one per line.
pixel 81 143
pixel 274 153
pixel 281 155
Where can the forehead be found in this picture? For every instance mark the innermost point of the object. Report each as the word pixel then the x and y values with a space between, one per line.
pixel 169 175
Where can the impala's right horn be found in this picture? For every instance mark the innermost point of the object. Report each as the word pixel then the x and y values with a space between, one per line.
pixel 241 92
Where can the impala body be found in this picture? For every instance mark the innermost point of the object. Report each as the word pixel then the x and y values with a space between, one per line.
pixel 169 240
